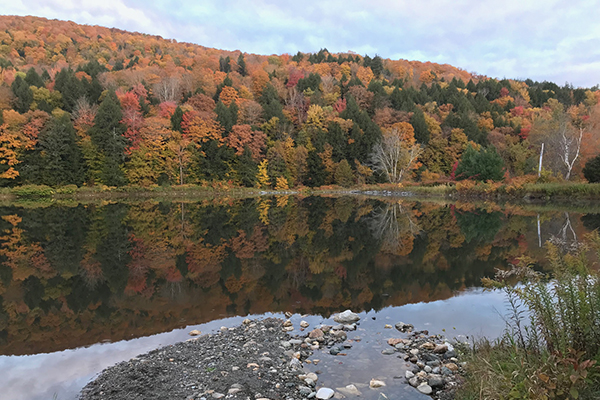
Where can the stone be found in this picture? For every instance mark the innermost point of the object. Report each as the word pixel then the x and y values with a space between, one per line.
pixel 304 390
pixel 340 335
pixel 325 393
pixel 316 334
pixel 427 369
pixel 247 321
pixel 334 351
pixel 424 388
pixel 436 381
pixel 388 352
pixel 394 342
pixel 288 314
pixel 346 317
pixel 195 332
pixel 325 328
pixel 428 346
pixel 451 366
pixel 420 364
pixel 217 395
pixel 413 359
pixel 376 383
pixel 414 352
pixel 350 327
pixel 313 376
pixel 387 326
pixel 234 390
pixel 440 348
pixel 414 381
pixel 446 371
pixel 288 328
pixel 310 382
pixel 449 354
pixel 252 365
pixel 409 375
pixel 430 357
pixel 304 324
pixel 421 374
pixel 223 329
pixel 349 390
pixel 402 327
pixel 287 323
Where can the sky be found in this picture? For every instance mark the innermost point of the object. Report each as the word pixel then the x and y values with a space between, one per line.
pixel 554 40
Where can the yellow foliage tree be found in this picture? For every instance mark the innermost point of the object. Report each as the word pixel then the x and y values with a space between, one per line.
pixel 262 176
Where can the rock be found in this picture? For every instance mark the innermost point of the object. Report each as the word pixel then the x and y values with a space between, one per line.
pixel 409 375
pixel 440 348
pixel 414 381
pixel 350 327
pixel 402 327
pixel 451 366
pixel 252 365
pixel 325 393
pixel 421 374
pixel 424 388
pixel 247 321
pixel 340 335
pixel 394 342
pixel 420 364
pixel 338 396
pixel 304 324
pixel 430 357
pixel 217 395
pixel 334 351
pixel 223 329
pixel 427 369
pixel 413 359
pixel 288 328
pixel 234 390
pixel 346 317
pixel 428 346
pixel 436 381
pixel 449 354
pixel 304 390
pixel 235 368
pixel 325 328
pixel 313 376
pixel 285 344
pixel 287 323
pixel 388 352
pixel 376 383
pixel 295 341
pixel 316 334
pixel 195 332
pixel 310 382
pixel 446 371
pixel 387 326
pixel 349 390
pixel 288 314
pixel 414 352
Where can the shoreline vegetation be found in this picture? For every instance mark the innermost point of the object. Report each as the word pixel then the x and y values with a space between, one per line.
pixel 463 190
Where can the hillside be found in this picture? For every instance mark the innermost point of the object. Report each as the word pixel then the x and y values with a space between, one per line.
pixel 91 105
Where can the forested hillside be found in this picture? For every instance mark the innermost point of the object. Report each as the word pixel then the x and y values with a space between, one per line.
pixel 87 105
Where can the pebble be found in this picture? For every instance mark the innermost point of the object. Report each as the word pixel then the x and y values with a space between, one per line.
pixel 440 348
pixel 388 352
pixel 195 332
pixel 424 388
pixel 350 390
pixel 217 395
pixel 376 383
pixel 395 342
pixel 452 367
pixel 427 369
pixel 304 324
pixel 428 346
pixel 402 327
pixel 346 317
pixel 414 352
pixel 247 321
pixel 435 381
pixel 387 326
pixel 304 390
pixel 316 334
pixel 409 374
pixel 325 393
pixel 414 381
pixel 287 323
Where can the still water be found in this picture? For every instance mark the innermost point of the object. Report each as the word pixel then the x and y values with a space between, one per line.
pixel 84 286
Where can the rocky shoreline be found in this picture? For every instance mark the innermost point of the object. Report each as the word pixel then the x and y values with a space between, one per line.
pixel 260 360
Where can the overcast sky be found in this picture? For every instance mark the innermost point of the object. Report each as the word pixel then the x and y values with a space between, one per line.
pixel 556 40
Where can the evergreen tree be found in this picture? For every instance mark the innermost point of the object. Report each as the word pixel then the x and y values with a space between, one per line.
pixel 272 107
pixel 33 79
pixel 485 164
pixel 70 87
pixel 377 66
pixel 243 71
pixel 226 116
pixel 107 136
pixel 246 168
pixel 316 173
pixel 23 95
pixel 591 171
pixel 420 126
pixel 61 158
pixel 224 64
pixel 343 174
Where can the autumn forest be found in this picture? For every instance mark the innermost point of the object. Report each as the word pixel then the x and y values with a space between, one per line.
pixel 86 105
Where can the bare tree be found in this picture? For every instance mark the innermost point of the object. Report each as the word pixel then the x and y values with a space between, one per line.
pixel 391 224
pixel 168 89
pixel 395 154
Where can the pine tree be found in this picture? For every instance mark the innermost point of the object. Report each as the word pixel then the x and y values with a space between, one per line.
pixel 343 174
pixel 23 95
pixel 33 79
pixel 482 165
pixel 420 126
pixel 243 71
pixel 316 173
pixel 107 136
pixel 246 168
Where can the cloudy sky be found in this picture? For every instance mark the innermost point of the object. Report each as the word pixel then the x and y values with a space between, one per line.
pixel 556 40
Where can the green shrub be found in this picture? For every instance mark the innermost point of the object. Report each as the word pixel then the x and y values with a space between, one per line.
pixel 32 191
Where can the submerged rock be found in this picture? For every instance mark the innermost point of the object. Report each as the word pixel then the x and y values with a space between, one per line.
pixel 346 317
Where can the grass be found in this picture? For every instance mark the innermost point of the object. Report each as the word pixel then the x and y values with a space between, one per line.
pixel 551 347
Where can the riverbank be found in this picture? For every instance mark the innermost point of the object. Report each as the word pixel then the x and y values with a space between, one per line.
pixel 466 190
pixel 260 360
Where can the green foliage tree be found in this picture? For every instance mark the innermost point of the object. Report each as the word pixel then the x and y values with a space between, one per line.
pixel 23 96
pixel 343 174
pixel 485 164
pixel 242 69
pixel 591 171
pixel 246 168
pixel 107 136
pixel 33 78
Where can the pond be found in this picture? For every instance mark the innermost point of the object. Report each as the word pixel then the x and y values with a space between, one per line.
pixel 84 286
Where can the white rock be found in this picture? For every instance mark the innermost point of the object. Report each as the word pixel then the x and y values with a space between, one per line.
pixel 325 393
pixel 346 317
pixel 350 390
pixel 313 376
pixel 304 324
pixel 424 388
pixel 409 374
pixel 376 383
